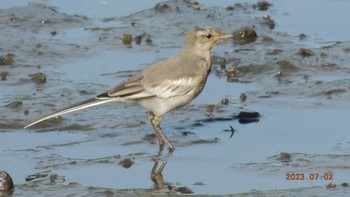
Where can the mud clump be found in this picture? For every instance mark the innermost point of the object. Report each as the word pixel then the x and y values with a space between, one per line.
pixel 302 36
pixel 332 93
pixel 234 6
pixel 284 157
pixel 274 52
pixel 36 176
pixel 194 4
pixel 235 73
pixel 208 141
pixel 54 179
pixel 225 101
pixel 3 75
pixel 86 92
pixel 244 36
pixel 126 163
pixel 305 52
pixel 328 65
pixel 248 117
pixel 285 65
pixel 6 60
pixel 345 185
pixel 138 39
pixel 145 37
pixel 161 7
pixel 331 186
pixel 199 183
pixel 243 97
pixel 279 76
pixel 150 138
pixel 231 74
pixel 347 50
pixel 26 112
pixel 38 78
pixel 262 5
pixel 267 39
pixel 6 183
pixel 14 19
pixel 14 104
pixel 127 39
pixel 109 193
pixel 184 190
pixel 53 33
pixel 268 20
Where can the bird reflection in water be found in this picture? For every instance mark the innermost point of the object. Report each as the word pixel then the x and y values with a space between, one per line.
pixel 156 173
pixel 157 177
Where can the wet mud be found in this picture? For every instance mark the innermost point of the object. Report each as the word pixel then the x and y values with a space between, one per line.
pixel 275 103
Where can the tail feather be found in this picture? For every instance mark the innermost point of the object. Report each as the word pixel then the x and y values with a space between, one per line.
pixel 82 105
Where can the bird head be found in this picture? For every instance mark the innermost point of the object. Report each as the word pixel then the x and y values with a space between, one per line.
pixel 204 38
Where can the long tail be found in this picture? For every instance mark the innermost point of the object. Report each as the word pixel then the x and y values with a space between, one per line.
pixel 82 105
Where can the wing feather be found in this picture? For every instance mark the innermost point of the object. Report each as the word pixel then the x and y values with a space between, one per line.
pixel 128 88
pixel 172 87
pixel 164 80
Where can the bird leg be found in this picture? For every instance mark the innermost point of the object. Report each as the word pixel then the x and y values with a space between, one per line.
pixel 155 121
pixel 156 175
pixel 151 119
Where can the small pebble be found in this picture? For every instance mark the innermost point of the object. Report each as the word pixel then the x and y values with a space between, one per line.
pixel 244 36
pixel 262 5
pixel 243 97
pixel 345 184
pixel 161 7
pixel 26 112
pixel 198 183
pixel 6 183
pixel 302 36
pixel 184 190
pixel 14 19
pixel 148 41
pixel 248 117
pixel 284 157
pixel 138 39
pixel 126 163
pixel 305 52
pixel 38 78
pixel 268 20
pixel 45 21
pixel 127 38
pixel 4 75
pixel 6 60
pixel 331 186
pixel 225 101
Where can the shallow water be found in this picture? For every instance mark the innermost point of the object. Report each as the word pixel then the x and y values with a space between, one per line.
pixel 303 103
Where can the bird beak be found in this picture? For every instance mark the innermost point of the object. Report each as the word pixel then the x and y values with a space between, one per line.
pixel 223 37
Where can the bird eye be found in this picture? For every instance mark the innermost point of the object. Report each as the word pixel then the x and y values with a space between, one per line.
pixel 208 36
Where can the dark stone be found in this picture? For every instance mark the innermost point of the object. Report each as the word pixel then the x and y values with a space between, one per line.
pixel 6 183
